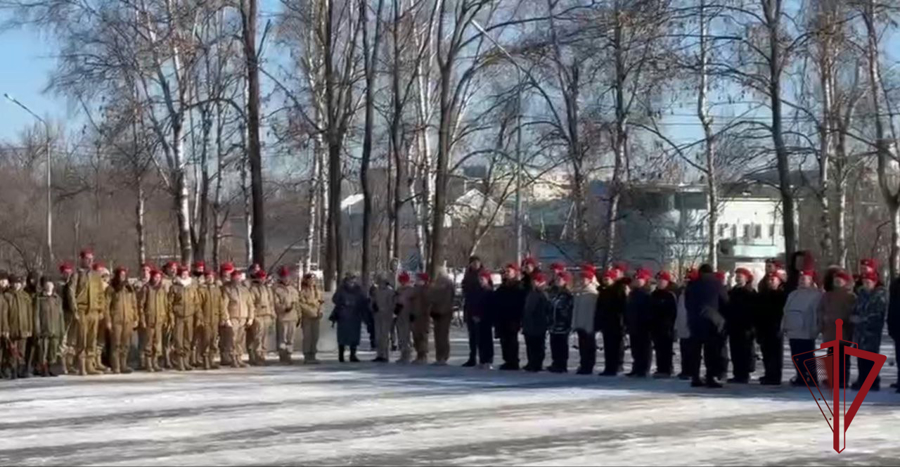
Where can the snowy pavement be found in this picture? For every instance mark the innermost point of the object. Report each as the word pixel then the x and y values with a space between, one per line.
pixel 370 414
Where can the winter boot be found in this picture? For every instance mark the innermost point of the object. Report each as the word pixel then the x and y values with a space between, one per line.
pixel 341 353
pixel 207 362
pixel 80 368
pixel 123 359
pixel 114 364
pixel 179 363
pixel 65 364
pixel 353 358
pixel 142 365
pixel 91 369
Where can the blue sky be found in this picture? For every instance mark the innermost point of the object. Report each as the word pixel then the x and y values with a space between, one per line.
pixel 27 59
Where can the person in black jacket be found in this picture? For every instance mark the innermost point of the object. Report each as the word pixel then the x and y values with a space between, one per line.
pixel 536 323
pixel 482 311
pixel 638 316
pixel 664 309
pixel 507 305
pixel 705 299
pixel 893 322
pixel 742 305
pixel 561 308
pixel 471 285
pixel 611 303
pixel 529 268
pixel 767 326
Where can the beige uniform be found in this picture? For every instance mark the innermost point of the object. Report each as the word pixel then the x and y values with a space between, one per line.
pixel 214 315
pixel 70 334
pixel 420 310
pixel 21 325
pixel 404 331
pixel 287 312
pixel 310 302
pixel 265 316
pixel 122 316
pixel 168 348
pixel 89 304
pixel 184 301
pixel 240 308
pixel 152 320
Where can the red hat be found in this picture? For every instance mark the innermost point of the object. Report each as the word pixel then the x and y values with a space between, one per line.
pixel 692 274
pixel 642 273
pixel 808 273
pixel 529 260
pixel 403 278
pixel 121 269
pixel 485 274
pixel 423 276
pixel 226 268
pixel 588 274
pixel 744 272
pixel 621 266
pixel 284 271
pixel 589 267
pixel 97 266
pixel 538 277
pixel 611 274
pixel 65 267
pixel 155 272
pixel 182 269
pixel 565 276
pixel 870 276
pixel 260 275
pixel 86 252
pixel 841 274
pixel 235 274
pixel 512 266
pixel 199 266
pixel 664 276
pixel 720 275
pixel 557 267
pixel 869 263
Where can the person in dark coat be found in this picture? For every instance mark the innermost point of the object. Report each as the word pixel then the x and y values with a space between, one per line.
pixel 742 304
pixel 893 323
pixel 638 319
pixel 868 324
pixel 767 326
pixel 471 285
pixel 507 303
pixel 529 268
pixel 561 309
pixel 350 307
pixel 536 322
pixel 664 310
pixel 705 300
pixel 611 303
pixel 482 309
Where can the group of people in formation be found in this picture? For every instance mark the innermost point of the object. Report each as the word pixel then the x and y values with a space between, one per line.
pixel 711 322
pixel 184 318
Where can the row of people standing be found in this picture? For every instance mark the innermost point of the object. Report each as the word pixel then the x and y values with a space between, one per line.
pixel 710 321
pixel 183 319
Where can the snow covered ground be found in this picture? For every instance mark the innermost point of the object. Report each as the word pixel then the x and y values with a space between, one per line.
pixel 370 414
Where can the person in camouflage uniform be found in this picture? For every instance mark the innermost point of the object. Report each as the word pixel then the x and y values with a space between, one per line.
pixel 49 326
pixel 240 308
pixel 201 318
pixel 868 323
pixel 7 362
pixel 184 300
pixel 21 323
pixel 87 296
pixel 151 321
pixel 287 307
pixel 310 303
pixel 264 314
pixel 122 302
pixel 170 271
pixel 215 315
pixel 226 333
pixel 70 335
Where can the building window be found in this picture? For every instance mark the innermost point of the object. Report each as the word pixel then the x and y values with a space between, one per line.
pixel 757 231
pixel 734 231
pixel 723 230
pixel 772 230
pixel 746 230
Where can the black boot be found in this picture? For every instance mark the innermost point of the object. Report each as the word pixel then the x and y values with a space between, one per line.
pixel 341 353
pixel 469 363
pixel 353 357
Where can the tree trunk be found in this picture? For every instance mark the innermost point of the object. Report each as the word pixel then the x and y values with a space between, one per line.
pixel 217 196
pixel 203 199
pixel 182 208
pixel 248 213
pixel 139 222
pixel 437 256
pixel 621 143
pixel 310 234
pixel 712 187
pixel 254 151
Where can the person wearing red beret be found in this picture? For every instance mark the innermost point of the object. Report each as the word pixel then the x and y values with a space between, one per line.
pixel 583 316
pixel 767 327
pixel 739 324
pixel 610 319
pixel 868 324
pixel 286 302
pixel 705 301
pixel 560 321
pixel 420 308
pixel 838 303
pixel 535 323
pixel 664 305
pixel 638 320
pixel 265 318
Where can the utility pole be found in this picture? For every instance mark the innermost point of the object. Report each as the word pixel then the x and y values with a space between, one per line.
pixel 49 257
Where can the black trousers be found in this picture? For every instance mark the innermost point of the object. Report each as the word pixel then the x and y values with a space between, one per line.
pixel 473 329
pixel 803 346
pixel 688 350
pixel 612 350
pixel 587 350
pixel 865 367
pixel 743 356
pixel 535 349
pixel 772 347
pixel 559 351
pixel 641 351
pixel 712 356
pixel 486 343
pixel 663 340
pixel 723 357
pixel 509 346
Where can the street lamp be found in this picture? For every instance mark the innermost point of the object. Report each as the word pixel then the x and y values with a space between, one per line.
pixel 49 180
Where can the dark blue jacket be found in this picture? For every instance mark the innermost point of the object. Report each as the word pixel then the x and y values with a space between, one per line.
pixel 705 300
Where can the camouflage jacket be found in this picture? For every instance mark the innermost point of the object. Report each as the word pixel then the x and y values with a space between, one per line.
pixel 868 318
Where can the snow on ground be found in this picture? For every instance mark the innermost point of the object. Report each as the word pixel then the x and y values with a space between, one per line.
pixel 338 414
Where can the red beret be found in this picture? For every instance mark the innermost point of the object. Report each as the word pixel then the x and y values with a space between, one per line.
pixel 260 275
pixel 403 278
pixel 65 267
pixel 869 263
pixel 744 272
pixel 182 269
pixel 171 265
pixel 226 268
pixel 512 266
pixel 199 266
pixel 235 274
pixel 565 276
pixel 664 276
pixel 86 252
pixel 284 271
pixel 588 274
pixel 97 266
pixel 209 273
pixel 423 276
pixel 808 273
pixel 121 269
pixel 155 272
pixel 611 274
pixel 589 267
pixel 538 277
pixel 642 274
pixel 720 275
pixel 843 275
pixel 692 274
pixel 557 267
pixel 621 266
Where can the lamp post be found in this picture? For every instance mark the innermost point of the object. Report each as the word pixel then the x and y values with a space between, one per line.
pixel 49 179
